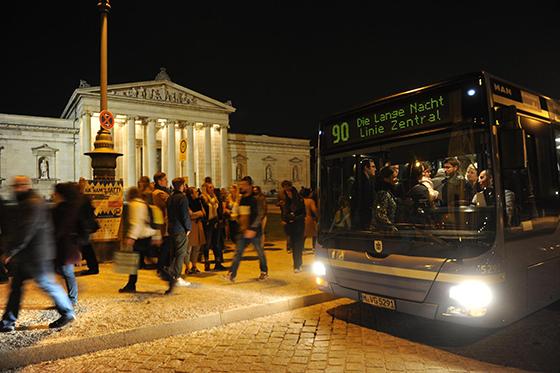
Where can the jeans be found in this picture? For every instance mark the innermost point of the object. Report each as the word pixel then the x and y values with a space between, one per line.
pixel 164 259
pixel 242 244
pixel 43 275
pixel 180 251
pixel 67 272
pixel 211 231
pixel 295 231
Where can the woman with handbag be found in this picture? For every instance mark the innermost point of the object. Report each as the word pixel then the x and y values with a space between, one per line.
pixel 138 234
pixel 197 238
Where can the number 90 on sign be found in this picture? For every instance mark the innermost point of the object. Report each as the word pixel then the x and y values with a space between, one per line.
pixel 340 132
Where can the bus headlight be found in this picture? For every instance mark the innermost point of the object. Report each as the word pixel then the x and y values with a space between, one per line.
pixel 472 295
pixel 319 269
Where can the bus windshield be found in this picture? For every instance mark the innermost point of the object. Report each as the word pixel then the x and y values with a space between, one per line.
pixel 431 187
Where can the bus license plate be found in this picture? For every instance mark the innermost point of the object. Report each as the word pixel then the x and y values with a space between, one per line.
pixel 376 301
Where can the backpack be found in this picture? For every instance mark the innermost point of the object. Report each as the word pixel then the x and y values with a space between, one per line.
pixel 155 216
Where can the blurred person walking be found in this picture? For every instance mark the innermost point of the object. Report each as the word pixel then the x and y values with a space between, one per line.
pixel 251 215
pixel 138 235
pixel 261 199
pixel 66 219
pixel 31 252
pixel 87 225
pixel 311 214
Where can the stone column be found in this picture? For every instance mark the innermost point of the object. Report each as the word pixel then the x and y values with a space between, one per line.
pixel 85 161
pixel 151 150
pixel 183 164
pixel 164 142
pixel 171 151
pixel 130 152
pixel 207 150
pixel 224 157
pixel 190 153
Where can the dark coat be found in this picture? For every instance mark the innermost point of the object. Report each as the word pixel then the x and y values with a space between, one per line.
pixel 66 217
pixel 33 238
pixel 178 213
pixel 362 202
pixel 87 222
pixel 294 208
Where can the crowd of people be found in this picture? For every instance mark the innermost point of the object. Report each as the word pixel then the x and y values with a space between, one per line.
pixel 379 197
pixel 195 221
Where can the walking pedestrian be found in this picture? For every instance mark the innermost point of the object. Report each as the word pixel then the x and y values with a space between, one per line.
pixel 31 252
pixel 87 225
pixel 251 215
pixel 66 234
pixel 293 216
pixel 179 230
pixel 310 230
pixel 139 235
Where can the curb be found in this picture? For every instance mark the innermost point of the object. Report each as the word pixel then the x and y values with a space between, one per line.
pixel 34 355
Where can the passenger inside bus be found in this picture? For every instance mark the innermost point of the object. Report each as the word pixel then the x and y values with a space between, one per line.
pixel 363 194
pixel 420 195
pixel 386 203
pixel 455 191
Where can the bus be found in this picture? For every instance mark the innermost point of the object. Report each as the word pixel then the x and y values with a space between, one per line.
pixel 443 202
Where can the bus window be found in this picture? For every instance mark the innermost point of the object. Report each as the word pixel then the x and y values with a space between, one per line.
pixel 399 189
pixel 531 192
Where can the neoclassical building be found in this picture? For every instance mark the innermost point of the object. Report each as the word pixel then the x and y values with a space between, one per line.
pixel 159 125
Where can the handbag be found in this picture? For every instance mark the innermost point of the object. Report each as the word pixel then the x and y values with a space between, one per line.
pixel 126 262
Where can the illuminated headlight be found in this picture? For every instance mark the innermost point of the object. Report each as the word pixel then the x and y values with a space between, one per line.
pixel 319 269
pixel 472 296
pixel 471 92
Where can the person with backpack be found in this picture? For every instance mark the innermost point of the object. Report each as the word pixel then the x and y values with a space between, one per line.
pixel 138 233
pixel 160 195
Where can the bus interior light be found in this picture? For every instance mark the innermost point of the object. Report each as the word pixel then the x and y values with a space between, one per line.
pixel 319 269
pixel 471 92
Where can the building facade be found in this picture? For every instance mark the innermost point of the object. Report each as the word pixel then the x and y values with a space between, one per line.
pixel 159 125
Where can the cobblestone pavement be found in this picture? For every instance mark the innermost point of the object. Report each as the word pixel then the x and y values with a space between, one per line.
pixel 337 336
pixel 103 310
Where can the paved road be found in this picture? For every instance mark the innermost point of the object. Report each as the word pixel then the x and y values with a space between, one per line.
pixel 338 336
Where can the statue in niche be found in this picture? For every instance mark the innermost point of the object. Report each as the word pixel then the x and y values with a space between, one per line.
pixel 268 173
pixel 43 168
pixel 295 173
pixel 239 171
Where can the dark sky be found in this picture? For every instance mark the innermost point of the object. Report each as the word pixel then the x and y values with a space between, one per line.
pixel 285 65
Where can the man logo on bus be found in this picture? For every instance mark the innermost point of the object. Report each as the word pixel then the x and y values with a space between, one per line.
pixel 378 246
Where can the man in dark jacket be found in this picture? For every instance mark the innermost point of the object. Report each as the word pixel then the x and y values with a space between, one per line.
pixel 87 225
pixel 363 195
pixel 179 227
pixel 31 253
pixel 251 215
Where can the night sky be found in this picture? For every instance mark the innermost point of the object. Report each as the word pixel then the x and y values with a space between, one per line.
pixel 285 65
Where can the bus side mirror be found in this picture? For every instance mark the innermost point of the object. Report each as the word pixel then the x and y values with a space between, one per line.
pixel 511 136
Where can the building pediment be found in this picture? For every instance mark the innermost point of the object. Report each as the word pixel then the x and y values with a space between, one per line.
pixel 156 92
pixel 295 160
pixel 268 158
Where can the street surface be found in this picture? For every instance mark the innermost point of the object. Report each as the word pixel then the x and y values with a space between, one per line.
pixel 338 336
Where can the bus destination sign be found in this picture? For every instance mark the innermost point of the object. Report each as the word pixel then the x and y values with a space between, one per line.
pixel 387 120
